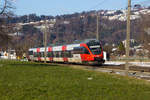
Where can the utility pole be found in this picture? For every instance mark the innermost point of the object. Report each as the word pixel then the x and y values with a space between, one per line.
pixel 8 45
pixel 97 29
pixel 128 38
pixel 45 41
pixel 9 51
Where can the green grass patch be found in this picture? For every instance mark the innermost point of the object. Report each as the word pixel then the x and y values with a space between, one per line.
pixel 38 81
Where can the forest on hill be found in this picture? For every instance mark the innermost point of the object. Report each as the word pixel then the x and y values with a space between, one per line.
pixel 77 26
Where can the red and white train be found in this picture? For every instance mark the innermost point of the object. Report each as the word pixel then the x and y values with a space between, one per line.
pixel 86 52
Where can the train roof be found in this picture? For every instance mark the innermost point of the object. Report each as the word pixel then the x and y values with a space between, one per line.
pixel 77 42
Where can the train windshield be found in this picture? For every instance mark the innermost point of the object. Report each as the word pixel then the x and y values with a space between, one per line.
pixel 96 50
pixel 95 47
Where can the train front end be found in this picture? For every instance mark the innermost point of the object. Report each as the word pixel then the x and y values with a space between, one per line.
pixel 96 52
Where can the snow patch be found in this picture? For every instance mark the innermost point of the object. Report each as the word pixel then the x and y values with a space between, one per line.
pixel 141 64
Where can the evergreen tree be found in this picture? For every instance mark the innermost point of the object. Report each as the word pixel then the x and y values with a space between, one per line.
pixel 121 49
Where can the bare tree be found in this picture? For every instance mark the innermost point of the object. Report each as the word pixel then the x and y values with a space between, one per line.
pixel 5 14
pixel 145 32
pixel 6 7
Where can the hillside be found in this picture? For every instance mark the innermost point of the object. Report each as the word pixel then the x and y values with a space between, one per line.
pixel 77 26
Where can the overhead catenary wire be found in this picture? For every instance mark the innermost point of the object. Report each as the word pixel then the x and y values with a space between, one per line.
pixel 100 3
pixel 97 30
pixel 97 5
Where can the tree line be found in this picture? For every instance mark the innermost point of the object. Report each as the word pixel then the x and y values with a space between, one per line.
pixel 79 26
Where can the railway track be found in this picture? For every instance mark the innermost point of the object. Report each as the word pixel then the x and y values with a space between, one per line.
pixel 134 71
pixel 131 68
pixel 118 67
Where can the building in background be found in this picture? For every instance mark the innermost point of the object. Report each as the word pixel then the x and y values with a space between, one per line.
pixel 6 55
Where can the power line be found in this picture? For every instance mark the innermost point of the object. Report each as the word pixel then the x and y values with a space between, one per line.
pixel 100 3
pixel 97 34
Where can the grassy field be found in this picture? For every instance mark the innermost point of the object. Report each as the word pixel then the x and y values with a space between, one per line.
pixel 36 81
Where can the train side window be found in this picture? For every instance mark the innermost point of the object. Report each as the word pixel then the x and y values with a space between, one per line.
pixel 35 54
pixel 30 52
pixel 71 53
pixel 54 53
pixel 68 54
pixel 57 54
pixel 39 54
pixel 85 50
pixel 81 50
pixel 62 54
pixel 42 54
pixel 78 50
pixel 65 53
pixel 50 54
